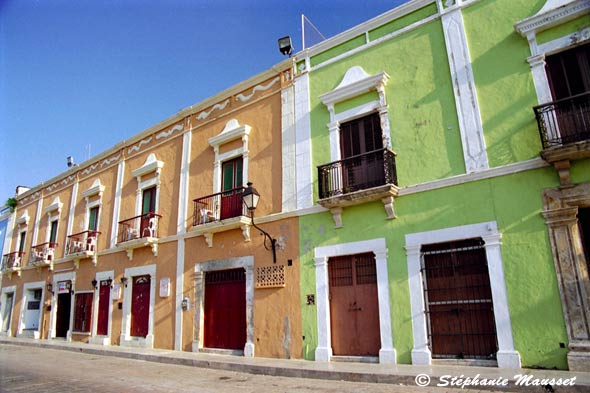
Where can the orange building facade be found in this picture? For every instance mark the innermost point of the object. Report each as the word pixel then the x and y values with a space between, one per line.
pixel 149 244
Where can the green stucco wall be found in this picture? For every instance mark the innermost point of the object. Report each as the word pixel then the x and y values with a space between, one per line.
pixel 513 201
pixel 420 100
pixel 503 78
pixel 402 22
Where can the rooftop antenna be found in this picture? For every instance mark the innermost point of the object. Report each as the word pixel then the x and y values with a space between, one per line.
pixel 88 151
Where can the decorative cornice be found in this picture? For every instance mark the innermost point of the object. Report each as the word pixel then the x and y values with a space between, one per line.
pixel 232 131
pixel 260 87
pixel 166 134
pixel 24 219
pixel 551 17
pixel 55 205
pixel 205 114
pixel 138 146
pixel 96 189
pixel 151 165
pixel 355 82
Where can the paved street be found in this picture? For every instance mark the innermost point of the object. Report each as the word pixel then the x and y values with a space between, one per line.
pixel 30 369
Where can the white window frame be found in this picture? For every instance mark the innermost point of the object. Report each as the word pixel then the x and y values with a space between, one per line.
pixel 126 340
pixel 71 276
pixel 95 338
pixel 151 165
pixel 96 189
pixel 551 14
pixel 355 83
pixel 5 292
pixel 23 308
pixel 231 132
pixel 506 356
pixel 323 352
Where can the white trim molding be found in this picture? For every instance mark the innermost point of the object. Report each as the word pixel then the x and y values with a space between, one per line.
pixel 95 338
pixel 126 340
pixel 23 309
pixel 232 131
pixel 303 159
pixel 506 356
pixel 355 83
pixel 5 291
pixel 201 268
pixel 553 13
pixel 468 114
pixel 323 352
pixel 69 276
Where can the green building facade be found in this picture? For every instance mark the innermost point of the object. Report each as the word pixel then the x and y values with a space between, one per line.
pixel 417 145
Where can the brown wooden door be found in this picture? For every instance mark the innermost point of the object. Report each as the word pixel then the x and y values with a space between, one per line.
pixel 104 299
pixel 62 324
pixel 459 300
pixel 354 306
pixel 140 305
pixel 225 309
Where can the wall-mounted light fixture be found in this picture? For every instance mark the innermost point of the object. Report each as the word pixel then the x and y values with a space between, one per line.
pixel 94 282
pixel 110 282
pixel 250 198
pixel 124 281
pixel 185 304
pixel 50 287
pixel 285 46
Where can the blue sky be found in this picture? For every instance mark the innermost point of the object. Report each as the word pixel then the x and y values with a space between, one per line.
pixel 79 76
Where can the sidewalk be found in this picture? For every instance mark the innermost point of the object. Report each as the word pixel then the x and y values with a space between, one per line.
pixel 354 372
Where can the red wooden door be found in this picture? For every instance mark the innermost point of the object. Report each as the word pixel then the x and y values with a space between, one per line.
pixel 104 299
pixel 225 309
pixel 459 300
pixel 140 305
pixel 354 306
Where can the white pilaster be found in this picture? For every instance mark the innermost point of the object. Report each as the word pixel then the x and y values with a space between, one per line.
pixel 323 352
pixel 303 143
pixel 289 169
pixel 72 211
pixel 37 221
pixel 468 114
pixel 117 203
pixel 181 229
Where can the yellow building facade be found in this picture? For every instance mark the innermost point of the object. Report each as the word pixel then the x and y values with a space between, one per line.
pixel 149 244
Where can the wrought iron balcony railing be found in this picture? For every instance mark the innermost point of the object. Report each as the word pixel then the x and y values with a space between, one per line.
pixel 138 227
pixel 82 242
pixel 12 260
pixel 564 121
pixel 42 253
pixel 360 172
pixel 219 206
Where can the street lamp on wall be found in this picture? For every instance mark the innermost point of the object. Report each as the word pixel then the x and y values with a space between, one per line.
pixel 251 197
pixel 124 281
pixel 94 282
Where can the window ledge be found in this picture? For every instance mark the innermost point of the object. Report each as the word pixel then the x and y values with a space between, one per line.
pixel 131 245
pixel 207 230
pixel 385 193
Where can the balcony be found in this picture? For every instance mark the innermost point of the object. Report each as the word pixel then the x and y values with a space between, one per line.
pixel 564 127
pixel 359 179
pixel 81 246
pixel 220 212
pixel 139 231
pixel 12 262
pixel 43 255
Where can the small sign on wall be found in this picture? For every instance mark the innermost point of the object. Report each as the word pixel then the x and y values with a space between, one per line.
pixel 116 292
pixel 165 287
pixel 64 286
